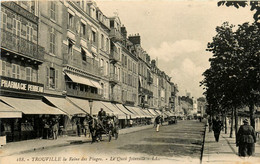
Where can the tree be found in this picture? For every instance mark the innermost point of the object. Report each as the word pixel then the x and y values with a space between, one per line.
pixel 254 6
pixel 232 81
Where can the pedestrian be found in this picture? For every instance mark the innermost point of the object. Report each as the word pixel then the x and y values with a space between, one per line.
pixel 217 126
pixel 78 127
pixel 46 129
pixel 246 139
pixel 131 123
pixel 210 124
pixel 55 129
pixel 157 123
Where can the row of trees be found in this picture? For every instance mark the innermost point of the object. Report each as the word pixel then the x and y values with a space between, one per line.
pixel 233 79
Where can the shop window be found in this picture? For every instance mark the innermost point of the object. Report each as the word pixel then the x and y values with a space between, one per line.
pixel 28 73
pixel 53 10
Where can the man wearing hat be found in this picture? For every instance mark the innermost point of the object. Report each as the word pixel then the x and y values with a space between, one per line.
pixel 246 138
pixel 217 126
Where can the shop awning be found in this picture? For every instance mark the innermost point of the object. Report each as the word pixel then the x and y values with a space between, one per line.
pixel 133 111
pixel 7 111
pixel 97 105
pixel 149 115
pixel 136 111
pixel 123 109
pixel 84 80
pixel 153 112
pixel 80 80
pixel 65 105
pixel 115 110
pixel 96 84
pixel 159 112
pixel 143 112
pixel 81 103
pixel 31 106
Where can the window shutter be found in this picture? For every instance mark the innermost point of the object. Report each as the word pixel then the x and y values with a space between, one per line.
pixel 48 76
pixel 56 78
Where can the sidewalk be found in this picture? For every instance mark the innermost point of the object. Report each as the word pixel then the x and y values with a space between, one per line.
pixel 225 151
pixel 38 144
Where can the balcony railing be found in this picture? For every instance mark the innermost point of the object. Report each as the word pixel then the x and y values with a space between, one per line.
pixel 115 35
pixel 20 45
pixel 114 57
pixel 78 93
pixel 90 65
pixel 113 78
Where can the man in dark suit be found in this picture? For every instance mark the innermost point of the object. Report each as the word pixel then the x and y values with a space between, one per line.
pixel 217 126
pixel 246 138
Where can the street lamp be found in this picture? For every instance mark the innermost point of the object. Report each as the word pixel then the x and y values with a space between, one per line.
pixel 90 106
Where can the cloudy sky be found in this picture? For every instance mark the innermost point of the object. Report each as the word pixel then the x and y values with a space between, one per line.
pixel 176 32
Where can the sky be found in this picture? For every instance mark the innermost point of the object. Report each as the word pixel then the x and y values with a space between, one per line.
pixel 177 33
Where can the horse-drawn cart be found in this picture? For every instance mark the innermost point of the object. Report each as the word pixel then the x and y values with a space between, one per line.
pixel 108 126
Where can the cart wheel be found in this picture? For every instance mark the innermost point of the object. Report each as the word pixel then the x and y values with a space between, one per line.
pixel 109 135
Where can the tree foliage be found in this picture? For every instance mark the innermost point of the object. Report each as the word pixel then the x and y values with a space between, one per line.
pixel 233 79
pixel 254 6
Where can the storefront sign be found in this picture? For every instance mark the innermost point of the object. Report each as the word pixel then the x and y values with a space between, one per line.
pixel 22 85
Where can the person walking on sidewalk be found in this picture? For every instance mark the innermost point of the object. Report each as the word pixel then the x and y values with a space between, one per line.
pixel 246 139
pixel 217 126
pixel 157 122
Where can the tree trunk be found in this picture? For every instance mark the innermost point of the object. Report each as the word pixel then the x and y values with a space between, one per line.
pixel 252 117
pixel 225 124
pixel 236 123
pixel 232 122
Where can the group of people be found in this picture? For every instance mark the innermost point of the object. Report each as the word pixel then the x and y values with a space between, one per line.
pixel 245 139
pixel 51 128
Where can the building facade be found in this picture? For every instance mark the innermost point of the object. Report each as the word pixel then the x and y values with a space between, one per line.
pixel 64 55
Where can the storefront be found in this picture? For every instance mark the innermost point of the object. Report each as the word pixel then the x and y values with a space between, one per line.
pixel 30 125
pixel 25 97
pixel 7 116
pixel 73 116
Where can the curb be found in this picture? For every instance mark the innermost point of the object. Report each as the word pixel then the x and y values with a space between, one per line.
pixel 203 143
pixel 77 142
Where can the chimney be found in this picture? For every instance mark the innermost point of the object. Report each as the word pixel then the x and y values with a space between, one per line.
pixel 135 39
pixel 156 61
pixel 153 63
pixel 124 32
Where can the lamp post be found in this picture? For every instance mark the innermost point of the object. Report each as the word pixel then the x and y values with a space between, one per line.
pixel 90 106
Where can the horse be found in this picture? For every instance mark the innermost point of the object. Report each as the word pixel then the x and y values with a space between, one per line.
pixel 97 128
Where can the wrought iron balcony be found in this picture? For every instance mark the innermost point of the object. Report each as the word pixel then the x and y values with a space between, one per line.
pixel 114 57
pixel 115 35
pixel 78 93
pixel 21 46
pixel 90 65
pixel 113 78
